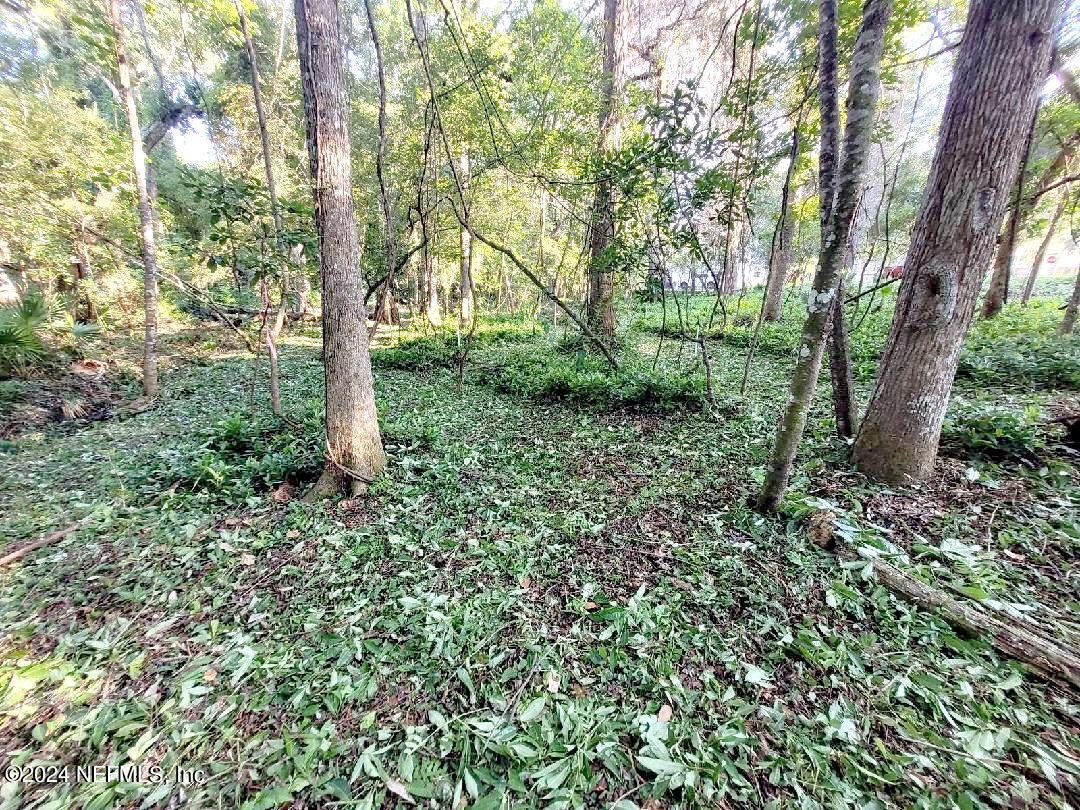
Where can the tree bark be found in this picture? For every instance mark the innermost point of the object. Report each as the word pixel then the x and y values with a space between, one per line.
pixel 465 243
pixel 600 307
pixel 276 325
pixel 1069 320
pixel 353 442
pixel 780 259
pixel 864 86
pixel 837 339
pixel 384 309
pixel 997 294
pixel 1036 265
pixel 1000 68
pixel 840 372
pixel 146 218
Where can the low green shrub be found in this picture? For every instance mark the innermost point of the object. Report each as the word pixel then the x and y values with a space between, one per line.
pixel 1031 361
pixel 240 455
pixel 993 430
pixel 586 379
pixel 442 350
pixel 24 327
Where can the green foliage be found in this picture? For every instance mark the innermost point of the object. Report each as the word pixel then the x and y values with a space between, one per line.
pixel 241 454
pixel 993 430
pixel 443 350
pixel 584 379
pixel 538 605
pixel 1021 348
pixel 24 327
pixel 21 324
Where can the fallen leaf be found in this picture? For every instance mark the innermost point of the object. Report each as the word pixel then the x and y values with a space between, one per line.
pixel 283 494
pixel 292 534
pixel 664 715
pixel 247 559
pixel 590 605
pixel 210 676
pixel 398 789
pixel 554 681
pixel 526 582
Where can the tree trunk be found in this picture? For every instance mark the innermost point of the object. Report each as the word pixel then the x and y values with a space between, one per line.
pixel 1000 68
pixel 1036 265
pixel 353 443
pixel 384 309
pixel 600 308
pixel 429 234
pixel 837 339
pixel 1070 310
pixel 840 371
pixel 278 322
pixel 780 258
pixel 146 219
pixel 431 303
pixel 465 243
pixel 861 104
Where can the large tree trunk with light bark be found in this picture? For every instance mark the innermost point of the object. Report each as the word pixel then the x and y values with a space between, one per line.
pixel 1044 245
pixel 864 86
pixel 600 304
pixel 1000 68
pixel 146 217
pixel 353 443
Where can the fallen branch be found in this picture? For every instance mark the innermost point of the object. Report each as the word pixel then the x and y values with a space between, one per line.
pixel 1043 655
pixel 508 253
pixel 41 542
pixel 851 299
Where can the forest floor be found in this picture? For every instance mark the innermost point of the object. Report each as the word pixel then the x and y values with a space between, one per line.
pixel 557 597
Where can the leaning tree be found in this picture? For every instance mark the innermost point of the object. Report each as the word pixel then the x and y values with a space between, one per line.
pixel 842 176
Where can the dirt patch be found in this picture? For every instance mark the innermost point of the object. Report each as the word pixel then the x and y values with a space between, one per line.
pixel 87 391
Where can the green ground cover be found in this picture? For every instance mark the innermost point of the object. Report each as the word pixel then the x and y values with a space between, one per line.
pixel 557 596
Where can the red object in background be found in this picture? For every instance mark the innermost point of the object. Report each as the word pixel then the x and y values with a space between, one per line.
pixel 895 272
pixel 1051 259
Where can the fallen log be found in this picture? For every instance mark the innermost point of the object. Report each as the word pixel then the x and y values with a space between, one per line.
pixel 41 542
pixel 1045 656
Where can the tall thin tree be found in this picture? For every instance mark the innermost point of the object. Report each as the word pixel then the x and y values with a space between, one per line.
pixel 837 340
pixel 146 216
pixel 863 88
pixel 1002 61
pixel 600 304
pixel 384 309
pixel 1044 245
pixel 353 442
pixel 465 243
pixel 275 327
